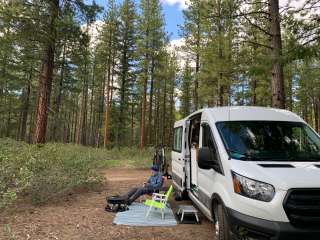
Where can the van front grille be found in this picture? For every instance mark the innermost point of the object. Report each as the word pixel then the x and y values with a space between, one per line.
pixel 302 207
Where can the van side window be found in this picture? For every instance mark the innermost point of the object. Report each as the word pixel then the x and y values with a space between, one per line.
pixel 177 139
pixel 207 138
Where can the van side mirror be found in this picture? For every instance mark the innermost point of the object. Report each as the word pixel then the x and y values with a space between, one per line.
pixel 208 160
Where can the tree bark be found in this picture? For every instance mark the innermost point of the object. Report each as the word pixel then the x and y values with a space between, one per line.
pixel 277 83
pixel 82 131
pixel 164 112
pixel 59 97
pixel 144 98
pixel 8 126
pixel 25 108
pixel 143 110
pixel 157 117
pixel 150 129
pixel 121 123
pixel 254 92
pixel 198 43
pixel 132 124
pixel 107 105
pixel 45 79
pixel 92 112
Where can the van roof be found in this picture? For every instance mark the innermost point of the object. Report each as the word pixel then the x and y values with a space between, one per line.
pixel 245 113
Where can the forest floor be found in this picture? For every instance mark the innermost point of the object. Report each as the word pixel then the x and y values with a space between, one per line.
pixel 81 215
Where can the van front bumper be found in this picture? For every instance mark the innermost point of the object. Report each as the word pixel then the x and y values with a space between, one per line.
pixel 257 228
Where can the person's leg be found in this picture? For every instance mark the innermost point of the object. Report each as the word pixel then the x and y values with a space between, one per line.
pixel 139 192
pixel 131 192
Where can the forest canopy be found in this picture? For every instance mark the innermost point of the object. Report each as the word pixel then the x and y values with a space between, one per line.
pixel 75 72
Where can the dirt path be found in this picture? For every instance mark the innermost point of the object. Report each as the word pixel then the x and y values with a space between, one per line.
pixel 82 216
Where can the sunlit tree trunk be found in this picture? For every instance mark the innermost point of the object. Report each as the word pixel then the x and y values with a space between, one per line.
pixel 45 78
pixel 277 83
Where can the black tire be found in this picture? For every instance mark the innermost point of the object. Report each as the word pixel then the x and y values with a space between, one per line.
pixel 222 228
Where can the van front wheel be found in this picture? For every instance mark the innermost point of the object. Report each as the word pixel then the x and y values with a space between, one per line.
pixel 222 228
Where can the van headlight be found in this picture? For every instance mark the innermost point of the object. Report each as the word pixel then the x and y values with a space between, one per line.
pixel 252 188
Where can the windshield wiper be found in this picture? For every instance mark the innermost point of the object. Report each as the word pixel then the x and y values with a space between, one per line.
pixel 245 156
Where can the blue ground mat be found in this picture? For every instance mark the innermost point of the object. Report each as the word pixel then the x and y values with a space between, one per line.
pixel 135 216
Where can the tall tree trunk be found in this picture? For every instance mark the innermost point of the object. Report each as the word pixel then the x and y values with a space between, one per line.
pixel 150 128
pixel 82 131
pixel 107 105
pixel 3 91
pixel 8 126
pixel 132 124
pixel 171 120
pixel 121 122
pixel 31 122
pixel 163 137
pixel 25 108
pixel 157 117
pixel 277 83
pixel 254 92
pixel 92 112
pixel 290 91
pixel 75 126
pixel 58 99
pixel 198 46
pixel 45 79
pixel 221 55
pixel 145 87
pixel 143 108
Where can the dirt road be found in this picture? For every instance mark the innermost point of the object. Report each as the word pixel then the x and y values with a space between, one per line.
pixel 82 216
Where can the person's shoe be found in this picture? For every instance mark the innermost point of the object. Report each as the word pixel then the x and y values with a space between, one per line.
pixel 127 202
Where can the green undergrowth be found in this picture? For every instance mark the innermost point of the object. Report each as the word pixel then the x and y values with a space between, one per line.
pixel 42 172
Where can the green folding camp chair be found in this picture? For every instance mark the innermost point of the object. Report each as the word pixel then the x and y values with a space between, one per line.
pixel 158 201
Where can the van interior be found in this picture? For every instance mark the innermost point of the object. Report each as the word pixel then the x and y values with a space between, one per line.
pixel 194 142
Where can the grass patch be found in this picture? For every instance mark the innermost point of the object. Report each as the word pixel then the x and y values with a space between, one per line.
pixel 45 171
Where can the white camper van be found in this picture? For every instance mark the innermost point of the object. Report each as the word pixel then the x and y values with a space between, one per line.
pixel 253 171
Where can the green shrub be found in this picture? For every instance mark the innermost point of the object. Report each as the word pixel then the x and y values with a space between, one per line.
pixel 57 169
pixel 14 173
pixel 45 171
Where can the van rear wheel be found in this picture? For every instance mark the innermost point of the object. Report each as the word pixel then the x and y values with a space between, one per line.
pixel 222 228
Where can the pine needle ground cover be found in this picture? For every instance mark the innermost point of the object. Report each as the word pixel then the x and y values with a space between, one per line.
pixel 42 172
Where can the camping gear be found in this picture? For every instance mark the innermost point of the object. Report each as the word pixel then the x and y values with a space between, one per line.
pixel 136 217
pixel 159 160
pixel 158 201
pixel 188 211
pixel 117 204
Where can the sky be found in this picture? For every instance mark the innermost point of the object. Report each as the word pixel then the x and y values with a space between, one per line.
pixel 172 10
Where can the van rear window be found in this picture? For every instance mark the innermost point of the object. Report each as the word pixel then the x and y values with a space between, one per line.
pixel 177 139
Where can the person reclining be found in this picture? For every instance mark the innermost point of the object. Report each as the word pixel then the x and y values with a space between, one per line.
pixel 154 184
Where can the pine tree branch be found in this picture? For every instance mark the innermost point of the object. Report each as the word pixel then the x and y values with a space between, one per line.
pixel 311 40
pixel 258 44
pixel 255 25
pixel 241 14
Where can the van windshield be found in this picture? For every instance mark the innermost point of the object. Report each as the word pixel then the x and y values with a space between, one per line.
pixel 269 141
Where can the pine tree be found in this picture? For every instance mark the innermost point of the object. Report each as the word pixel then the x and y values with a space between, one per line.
pixel 185 97
pixel 151 39
pixel 127 41
pixel 108 47
pixel 46 74
pixel 193 34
